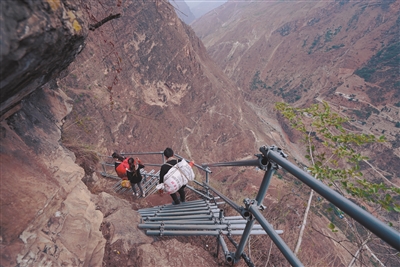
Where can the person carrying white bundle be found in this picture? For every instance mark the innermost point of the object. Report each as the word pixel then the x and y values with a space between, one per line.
pixel 174 175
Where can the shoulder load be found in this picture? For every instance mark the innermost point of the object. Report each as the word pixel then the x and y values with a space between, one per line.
pixel 179 175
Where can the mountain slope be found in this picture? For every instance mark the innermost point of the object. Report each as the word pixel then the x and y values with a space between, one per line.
pixel 140 82
pixel 307 52
pixel 152 85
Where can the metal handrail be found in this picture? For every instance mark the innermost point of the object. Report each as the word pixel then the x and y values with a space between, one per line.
pixel 270 159
pixel 202 168
pixel 385 232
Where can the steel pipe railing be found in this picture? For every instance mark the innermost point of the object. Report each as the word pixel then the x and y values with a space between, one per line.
pixel 286 251
pixel 376 226
pixel 198 192
pixel 155 211
pixel 224 198
pixel 191 217
pixel 205 218
pixel 227 227
pixel 200 233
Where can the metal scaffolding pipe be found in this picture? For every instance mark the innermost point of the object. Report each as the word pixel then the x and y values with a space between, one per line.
pixel 197 182
pixel 240 232
pixel 227 254
pixel 385 232
pixel 265 184
pixel 198 192
pixel 181 233
pixel 183 222
pixel 195 217
pixel 142 153
pixel 243 240
pixel 177 207
pixel 286 251
pixel 195 233
pixel 227 200
pixel 233 218
pixel 199 227
pixel 251 162
pixel 202 221
pixel 242 221
pixel 163 211
pixel 181 226
pixel 182 210
pixel 161 214
pixel 244 256
pixel 194 202
pixel 179 212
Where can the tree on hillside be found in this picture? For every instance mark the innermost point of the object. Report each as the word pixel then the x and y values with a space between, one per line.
pixel 334 157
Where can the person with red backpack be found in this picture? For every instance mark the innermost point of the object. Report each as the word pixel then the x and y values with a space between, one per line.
pixel 121 165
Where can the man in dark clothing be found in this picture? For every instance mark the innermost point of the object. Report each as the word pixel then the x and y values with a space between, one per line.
pixel 171 161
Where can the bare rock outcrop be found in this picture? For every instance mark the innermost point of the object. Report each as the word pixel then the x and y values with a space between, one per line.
pixel 127 245
pixel 152 84
pixel 38 39
pixel 47 216
pixel 122 221
pixel 173 253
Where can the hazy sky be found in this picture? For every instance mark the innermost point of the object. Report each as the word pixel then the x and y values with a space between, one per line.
pixel 195 3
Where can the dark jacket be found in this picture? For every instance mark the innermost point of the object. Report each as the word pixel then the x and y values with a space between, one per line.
pixel 135 176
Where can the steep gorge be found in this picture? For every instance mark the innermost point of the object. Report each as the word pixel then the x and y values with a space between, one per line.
pixel 140 82
pixel 306 52
pixel 342 52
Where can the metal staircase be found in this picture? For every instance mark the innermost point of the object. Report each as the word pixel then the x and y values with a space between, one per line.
pixel 199 217
pixel 149 181
pixel 205 217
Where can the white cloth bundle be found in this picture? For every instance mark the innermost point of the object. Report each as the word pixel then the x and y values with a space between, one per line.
pixel 179 175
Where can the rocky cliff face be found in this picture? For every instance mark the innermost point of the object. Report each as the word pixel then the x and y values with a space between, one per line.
pixel 140 82
pixel 47 216
pixel 38 40
pixel 145 81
